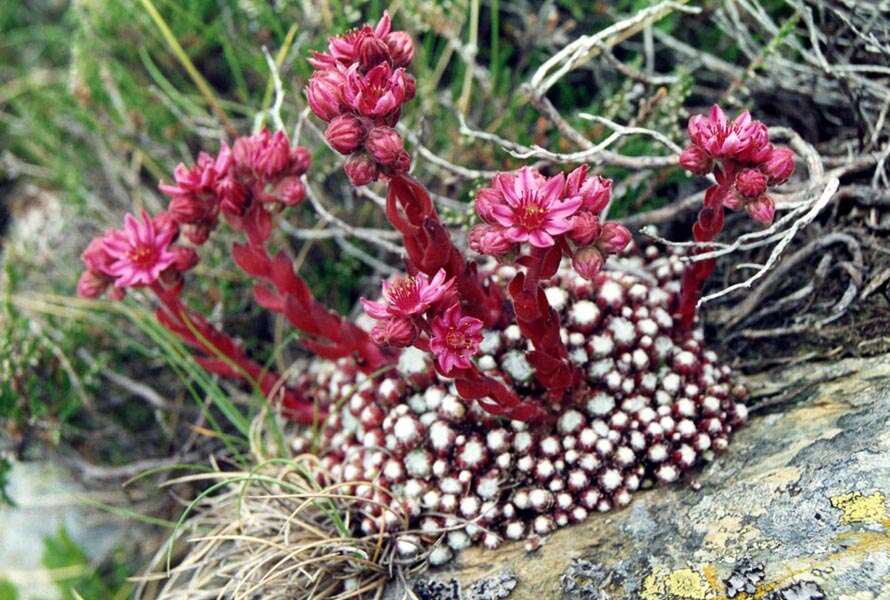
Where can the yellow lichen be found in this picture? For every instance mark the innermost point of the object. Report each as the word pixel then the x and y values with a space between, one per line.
pixel 682 584
pixel 858 508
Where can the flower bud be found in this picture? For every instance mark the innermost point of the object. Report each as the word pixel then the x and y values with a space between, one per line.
pixel 165 220
pixel 750 183
pixel 372 51
pixel 186 258
pixel 614 238
pixel 361 169
pixel 489 239
pixel 345 134
pixel 300 159
pixel 762 210
pixel 233 196
pixel 394 332
pixel 273 156
pixel 585 228
pixel 290 191
pixel 171 277
pixel 92 284
pixel 486 200
pixel 779 165
pixel 323 93
pixel 188 209
pixel 95 257
pixel 588 262
pixel 401 48
pixel 401 165
pixel 197 233
pixel 696 160
pixel 385 145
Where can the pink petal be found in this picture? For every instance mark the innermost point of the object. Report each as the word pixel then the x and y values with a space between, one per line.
pixel 503 215
pixel 505 183
pixel 551 192
pixel 376 310
pixel 566 208
pixel 540 239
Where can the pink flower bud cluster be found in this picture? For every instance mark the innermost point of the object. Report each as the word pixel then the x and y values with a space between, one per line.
pixel 261 168
pixel 742 159
pixel 744 164
pixel 358 88
pixel 138 255
pixel 440 475
pixel 526 206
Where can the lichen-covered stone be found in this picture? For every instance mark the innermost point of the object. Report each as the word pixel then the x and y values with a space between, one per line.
pixel 796 510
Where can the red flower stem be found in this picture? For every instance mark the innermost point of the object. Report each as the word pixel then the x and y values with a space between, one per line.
pixel 330 335
pixel 225 357
pixel 430 248
pixel 540 323
pixel 707 228
pixel 495 397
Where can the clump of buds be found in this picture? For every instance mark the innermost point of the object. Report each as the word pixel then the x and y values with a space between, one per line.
pixel 358 88
pixel 744 164
pixel 742 159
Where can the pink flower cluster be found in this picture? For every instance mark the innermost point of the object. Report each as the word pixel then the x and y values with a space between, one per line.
pixel 358 88
pixel 413 312
pixel 261 168
pixel 742 159
pixel 526 206
pixel 138 255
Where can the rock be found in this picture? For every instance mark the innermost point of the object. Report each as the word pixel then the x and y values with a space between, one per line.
pixel 795 510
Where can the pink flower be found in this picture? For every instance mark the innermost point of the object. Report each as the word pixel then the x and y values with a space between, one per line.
pixel 345 134
pixel 531 207
pixel 408 296
pixel 489 239
pixel 347 47
pixel 779 165
pixel 696 160
pixel 455 339
pixel 379 93
pixel 140 252
pixel 193 197
pixel 361 169
pixel 588 262
pixel 595 191
pixel 721 138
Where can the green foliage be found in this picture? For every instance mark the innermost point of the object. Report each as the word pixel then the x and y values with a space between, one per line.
pixel 5 469
pixel 73 574
pixel 7 590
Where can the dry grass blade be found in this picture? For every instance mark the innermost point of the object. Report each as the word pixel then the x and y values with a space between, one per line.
pixel 276 532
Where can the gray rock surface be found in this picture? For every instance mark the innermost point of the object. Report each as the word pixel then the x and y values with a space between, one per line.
pixel 795 510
